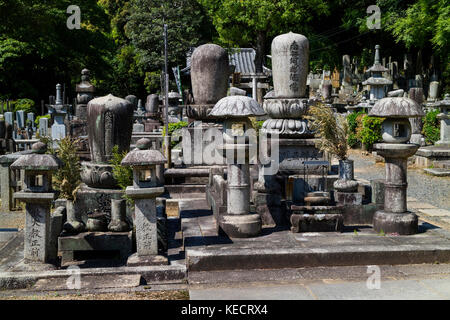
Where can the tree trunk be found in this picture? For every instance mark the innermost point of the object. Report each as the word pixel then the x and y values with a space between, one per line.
pixel 259 56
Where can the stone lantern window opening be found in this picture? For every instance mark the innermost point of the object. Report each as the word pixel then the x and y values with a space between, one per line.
pixel 145 176
pixel 38 181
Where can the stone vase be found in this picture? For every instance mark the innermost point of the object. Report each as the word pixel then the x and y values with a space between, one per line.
pixel 74 224
pixel 346 182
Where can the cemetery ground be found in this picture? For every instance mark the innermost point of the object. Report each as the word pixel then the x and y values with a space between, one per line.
pixel 427 196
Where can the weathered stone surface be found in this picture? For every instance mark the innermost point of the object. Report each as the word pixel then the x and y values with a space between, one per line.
pixel 348 198
pixel 290 56
pixel 237 107
pixel 143 158
pixel 209 73
pixel 316 222
pixel 396 108
pixel 285 108
pixel 121 242
pixel 110 121
pixel 287 128
pixel 89 199
pixel 118 216
pixel 37 232
pixel 396 130
pixel 98 175
pixel 241 226
pixel 377 191
pixel 405 223
pixel 152 104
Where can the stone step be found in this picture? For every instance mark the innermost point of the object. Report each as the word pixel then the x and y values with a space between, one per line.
pixel 88 282
pixel 210 259
pixel 438 172
pixel 181 189
pixel 7 234
pixel 148 274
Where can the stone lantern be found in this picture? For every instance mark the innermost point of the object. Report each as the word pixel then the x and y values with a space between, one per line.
pixel 146 187
pixel 236 110
pixel 377 82
pixel 396 131
pixel 58 111
pixel 85 93
pixel 174 101
pixel 38 195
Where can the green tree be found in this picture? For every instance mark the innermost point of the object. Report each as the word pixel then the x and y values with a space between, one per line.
pixel 424 24
pixel 37 50
pixel 255 22
pixel 187 27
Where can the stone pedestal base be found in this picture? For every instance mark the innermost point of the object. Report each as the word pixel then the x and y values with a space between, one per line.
pixel 316 219
pixel 399 223
pixel 137 261
pixel 241 226
pixel 83 246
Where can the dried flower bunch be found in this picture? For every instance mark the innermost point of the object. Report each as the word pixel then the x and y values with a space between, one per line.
pixel 330 130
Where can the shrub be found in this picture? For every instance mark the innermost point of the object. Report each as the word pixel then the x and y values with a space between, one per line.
pixel 370 131
pixel 67 178
pixel 354 122
pixel 431 127
pixel 26 105
pixel 123 174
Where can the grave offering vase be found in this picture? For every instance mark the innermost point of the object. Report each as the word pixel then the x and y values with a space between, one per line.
pixel 396 131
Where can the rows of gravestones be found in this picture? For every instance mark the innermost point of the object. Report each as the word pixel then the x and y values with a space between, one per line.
pixel 349 85
pixel 99 217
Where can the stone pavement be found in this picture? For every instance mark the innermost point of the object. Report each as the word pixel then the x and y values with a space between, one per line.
pixel 421 282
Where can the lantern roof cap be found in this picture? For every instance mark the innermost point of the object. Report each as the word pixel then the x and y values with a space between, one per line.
pixel 396 107
pixel 37 160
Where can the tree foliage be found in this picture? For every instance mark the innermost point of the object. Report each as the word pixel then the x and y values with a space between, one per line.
pixel 255 22
pixel 37 50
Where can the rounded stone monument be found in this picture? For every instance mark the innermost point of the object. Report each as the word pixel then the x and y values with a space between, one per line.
pixel 209 78
pixel 110 121
pixel 290 57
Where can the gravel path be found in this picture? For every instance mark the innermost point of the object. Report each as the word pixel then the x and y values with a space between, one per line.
pixel 422 186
